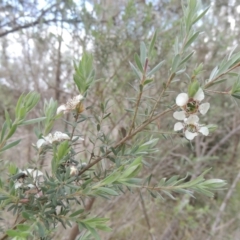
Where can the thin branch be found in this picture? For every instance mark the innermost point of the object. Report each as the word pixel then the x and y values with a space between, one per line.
pixel 141 127
pixel 146 215
pixel 161 94
pixel 36 22
pixel 139 97
pixel 75 230
pixel 223 206
pixel 31 24
pixel 58 69
pixel 215 148
pixel 216 78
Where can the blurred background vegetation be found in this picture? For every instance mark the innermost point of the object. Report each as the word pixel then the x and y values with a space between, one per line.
pixel 40 40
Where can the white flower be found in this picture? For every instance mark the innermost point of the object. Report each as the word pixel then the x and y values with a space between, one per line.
pixel 73 171
pixel 34 173
pixel 51 138
pixel 190 105
pixel 191 127
pixel 71 105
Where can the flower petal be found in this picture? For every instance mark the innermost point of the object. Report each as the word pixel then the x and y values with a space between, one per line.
pixel 192 119
pixel 204 131
pixel 199 95
pixel 28 171
pixel 78 97
pixel 59 136
pixel 190 135
pixel 73 171
pixel 61 109
pixel 40 143
pixel 49 138
pixel 36 173
pixel 17 185
pixel 203 108
pixel 178 126
pixel 179 115
pixel 33 172
pixel 182 99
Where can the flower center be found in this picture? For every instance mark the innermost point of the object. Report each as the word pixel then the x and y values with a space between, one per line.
pixel 191 128
pixel 191 106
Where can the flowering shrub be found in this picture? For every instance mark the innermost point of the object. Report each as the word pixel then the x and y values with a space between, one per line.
pixel 45 199
pixel 191 107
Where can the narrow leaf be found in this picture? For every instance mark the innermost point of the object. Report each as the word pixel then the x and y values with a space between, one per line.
pixel 10 145
pixel 156 68
pixel 152 43
pixel 32 121
pixel 138 62
pixel 135 70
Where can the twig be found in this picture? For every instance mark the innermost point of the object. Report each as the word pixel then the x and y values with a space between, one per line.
pixel 141 127
pixel 161 94
pixel 223 206
pixel 74 127
pixel 75 230
pixel 213 91
pixel 139 97
pixel 216 78
pixel 146 215
pixel 215 148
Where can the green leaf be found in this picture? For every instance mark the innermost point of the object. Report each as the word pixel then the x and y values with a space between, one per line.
pixel 26 215
pixel 200 15
pixel 168 194
pixel 156 68
pixel 131 171
pixel 8 119
pixel 143 53
pixel 152 43
pixel 213 74
pixel 191 40
pixel 108 191
pixel 94 233
pixel 12 169
pixel 4 128
pixel 173 179
pixel 107 115
pixel 147 81
pixel 131 182
pixel 110 179
pixel 216 82
pixel 3 197
pixel 153 141
pixel 18 106
pixel 193 88
pixel 236 95
pixel 235 92
pixel 176 63
pixel 187 58
pixel 32 121
pixel 78 212
pixel 138 62
pixel 84 73
pixel 10 145
pixel 23 227
pixel 136 71
pixel 41 230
